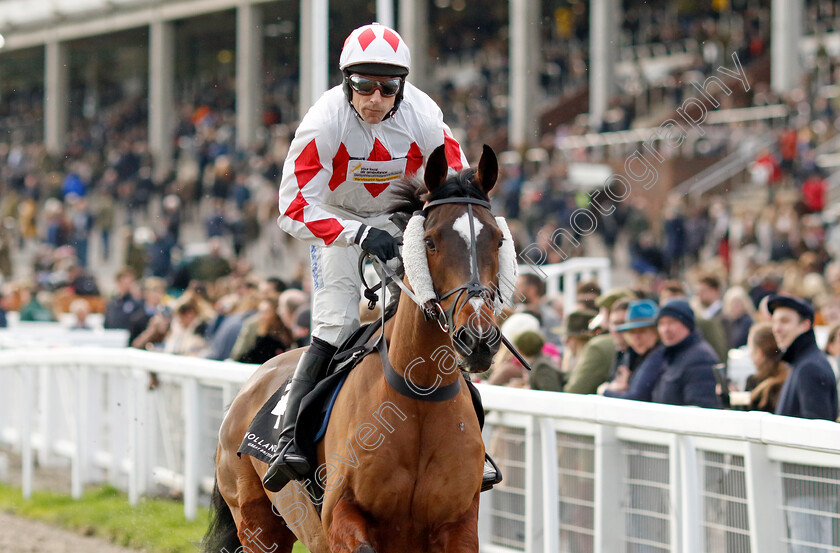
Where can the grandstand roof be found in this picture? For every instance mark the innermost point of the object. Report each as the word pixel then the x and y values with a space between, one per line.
pixel 24 23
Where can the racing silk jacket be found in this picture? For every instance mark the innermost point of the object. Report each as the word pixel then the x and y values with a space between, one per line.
pixel 324 196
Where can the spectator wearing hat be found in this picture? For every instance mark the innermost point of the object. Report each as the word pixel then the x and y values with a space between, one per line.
pixel 688 376
pixel 810 390
pixel 601 353
pixel 642 367
pixel 711 330
pixel 545 373
pixel 576 334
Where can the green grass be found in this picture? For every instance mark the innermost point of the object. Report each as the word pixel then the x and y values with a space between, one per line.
pixel 156 525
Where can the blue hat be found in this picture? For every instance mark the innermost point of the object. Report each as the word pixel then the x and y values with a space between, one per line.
pixel 640 313
pixel 679 310
pixel 800 306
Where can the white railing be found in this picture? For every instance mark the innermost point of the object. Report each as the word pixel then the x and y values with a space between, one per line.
pixel 563 278
pixel 582 473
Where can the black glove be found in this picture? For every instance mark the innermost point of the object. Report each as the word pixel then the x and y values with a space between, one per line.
pixel 380 243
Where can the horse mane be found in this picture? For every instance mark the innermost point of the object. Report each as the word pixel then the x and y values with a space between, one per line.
pixel 411 194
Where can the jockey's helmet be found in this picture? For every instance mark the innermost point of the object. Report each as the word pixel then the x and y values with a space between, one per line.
pixel 377 50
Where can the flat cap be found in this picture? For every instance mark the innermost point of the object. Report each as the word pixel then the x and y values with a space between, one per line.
pixel 800 306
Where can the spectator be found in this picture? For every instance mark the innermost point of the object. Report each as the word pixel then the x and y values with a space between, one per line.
pixel 709 295
pixel 80 309
pixel 236 317
pixel 639 373
pixel 710 330
pixel 770 374
pixel 213 265
pixel 738 314
pixel 36 307
pixel 576 334
pixel 273 336
pixel 124 305
pixel 3 304
pixel 688 373
pixel 587 294
pixel 599 354
pixel 186 335
pixel 531 293
pixel 810 390
pixel 80 281
pixel 832 348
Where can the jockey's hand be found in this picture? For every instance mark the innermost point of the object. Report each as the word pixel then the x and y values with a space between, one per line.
pixel 381 244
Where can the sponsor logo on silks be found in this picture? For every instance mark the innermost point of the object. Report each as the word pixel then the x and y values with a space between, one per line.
pixel 317 278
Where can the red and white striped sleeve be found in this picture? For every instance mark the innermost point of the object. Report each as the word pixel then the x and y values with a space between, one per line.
pixel 305 183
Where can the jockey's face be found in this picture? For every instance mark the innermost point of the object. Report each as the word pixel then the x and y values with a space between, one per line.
pixel 374 107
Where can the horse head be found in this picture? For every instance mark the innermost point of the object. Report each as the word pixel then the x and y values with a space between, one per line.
pixel 458 243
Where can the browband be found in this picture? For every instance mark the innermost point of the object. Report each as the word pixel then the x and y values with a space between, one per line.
pixel 474 201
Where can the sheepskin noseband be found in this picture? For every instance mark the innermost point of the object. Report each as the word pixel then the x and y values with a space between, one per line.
pixel 417 266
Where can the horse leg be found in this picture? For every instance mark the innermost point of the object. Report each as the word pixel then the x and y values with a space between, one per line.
pixel 348 530
pixel 261 530
pixel 460 536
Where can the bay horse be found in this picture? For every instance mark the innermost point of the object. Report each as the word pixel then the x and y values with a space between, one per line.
pixel 398 474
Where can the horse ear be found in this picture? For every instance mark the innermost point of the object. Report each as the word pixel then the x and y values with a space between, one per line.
pixel 436 168
pixel 488 169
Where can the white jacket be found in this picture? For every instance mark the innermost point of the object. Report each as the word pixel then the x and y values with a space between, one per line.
pixel 322 200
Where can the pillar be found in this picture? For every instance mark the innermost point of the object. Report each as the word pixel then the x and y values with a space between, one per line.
pixel 603 47
pixel 161 95
pixel 56 97
pixel 785 36
pixel 314 41
pixel 524 50
pixel 249 81
pixel 414 28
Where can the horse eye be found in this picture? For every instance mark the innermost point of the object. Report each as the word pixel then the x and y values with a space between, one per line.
pixel 430 245
pixel 501 241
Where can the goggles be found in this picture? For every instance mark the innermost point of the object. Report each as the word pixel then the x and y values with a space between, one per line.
pixel 365 86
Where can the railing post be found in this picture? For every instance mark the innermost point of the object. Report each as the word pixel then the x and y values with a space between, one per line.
pixel 28 415
pixel 551 488
pixel 764 500
pixel 191 431
pixel 47 405
pixel 690 493
pixel 80 456
pixel 675 495
pixel 534 487
pixel 609 521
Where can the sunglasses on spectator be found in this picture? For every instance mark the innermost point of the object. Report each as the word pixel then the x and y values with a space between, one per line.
pixel 366 86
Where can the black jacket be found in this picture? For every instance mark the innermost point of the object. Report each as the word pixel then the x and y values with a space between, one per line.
pixel 688 376
pixel 810 391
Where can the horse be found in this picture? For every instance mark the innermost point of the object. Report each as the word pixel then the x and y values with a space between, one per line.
pixel 398 474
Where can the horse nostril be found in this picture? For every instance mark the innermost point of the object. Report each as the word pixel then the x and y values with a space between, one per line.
pixel 464 340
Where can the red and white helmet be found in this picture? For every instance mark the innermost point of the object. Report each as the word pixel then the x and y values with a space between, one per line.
pixel 376 44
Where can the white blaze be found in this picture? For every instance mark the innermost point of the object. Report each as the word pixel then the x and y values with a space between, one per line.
pixel 462 227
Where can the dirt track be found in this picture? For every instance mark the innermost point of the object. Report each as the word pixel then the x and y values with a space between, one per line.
pixel 19 535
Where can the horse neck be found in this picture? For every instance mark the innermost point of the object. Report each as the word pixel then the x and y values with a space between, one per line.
pixel 422 346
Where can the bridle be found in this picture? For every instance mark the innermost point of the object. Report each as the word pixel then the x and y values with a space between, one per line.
pixel 473 288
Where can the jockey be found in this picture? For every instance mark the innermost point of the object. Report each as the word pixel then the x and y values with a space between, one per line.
pixel 359 138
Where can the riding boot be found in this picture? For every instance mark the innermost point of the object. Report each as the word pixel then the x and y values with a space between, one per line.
pixel 288 463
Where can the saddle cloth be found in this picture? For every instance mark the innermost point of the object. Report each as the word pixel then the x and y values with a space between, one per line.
pixel 261 439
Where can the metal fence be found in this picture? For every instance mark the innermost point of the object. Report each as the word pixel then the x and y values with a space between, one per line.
pixel 583 474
